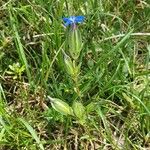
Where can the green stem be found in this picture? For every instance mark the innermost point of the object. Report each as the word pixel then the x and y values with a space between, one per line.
pixel 76 82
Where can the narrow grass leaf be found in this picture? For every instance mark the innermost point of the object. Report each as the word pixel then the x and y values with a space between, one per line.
pixel 2 94
pixel 126 62
pixel 2 133
pixel 139 100
pixel 2 122
pixel 106 126
pixel 33 133
pixel 18 43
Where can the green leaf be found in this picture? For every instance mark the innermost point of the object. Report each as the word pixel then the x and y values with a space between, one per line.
pixel 90 107
pixel 69 65
pixel 60 106
pixel 79 111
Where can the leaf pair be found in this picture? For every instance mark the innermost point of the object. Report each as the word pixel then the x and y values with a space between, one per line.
pixel 77 110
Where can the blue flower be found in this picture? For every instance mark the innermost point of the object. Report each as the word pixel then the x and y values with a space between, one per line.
pixel 72 20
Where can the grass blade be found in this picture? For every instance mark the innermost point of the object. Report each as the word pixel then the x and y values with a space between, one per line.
pixel 33 133
pixel 18 43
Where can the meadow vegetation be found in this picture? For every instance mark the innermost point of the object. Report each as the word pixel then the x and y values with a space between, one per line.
pixel 104 104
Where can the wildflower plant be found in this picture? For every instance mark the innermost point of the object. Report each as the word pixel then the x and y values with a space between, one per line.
pixel 74 45
pixel 71 55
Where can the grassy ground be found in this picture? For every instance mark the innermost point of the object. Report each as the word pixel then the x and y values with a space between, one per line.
pixel 112 88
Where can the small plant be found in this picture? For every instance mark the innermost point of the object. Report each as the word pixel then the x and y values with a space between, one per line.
pixel 16 70
pixel 74 44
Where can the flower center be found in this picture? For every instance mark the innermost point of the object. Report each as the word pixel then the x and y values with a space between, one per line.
pixel 72 19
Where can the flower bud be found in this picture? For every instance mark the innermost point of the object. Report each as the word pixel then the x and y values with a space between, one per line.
pixel 75 43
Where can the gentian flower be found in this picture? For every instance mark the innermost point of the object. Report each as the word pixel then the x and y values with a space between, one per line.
pixel 74 40
pixel 72 20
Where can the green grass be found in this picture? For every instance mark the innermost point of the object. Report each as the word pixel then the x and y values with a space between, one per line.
pixel 109 98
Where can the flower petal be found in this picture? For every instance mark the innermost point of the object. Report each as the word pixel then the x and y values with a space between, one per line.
pixel 65 19
pixel 79 19
pixel 73 20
